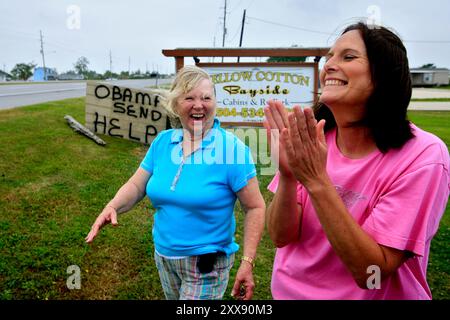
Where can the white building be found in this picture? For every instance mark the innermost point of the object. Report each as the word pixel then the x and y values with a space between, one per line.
pixel 429 77
pixel 4 76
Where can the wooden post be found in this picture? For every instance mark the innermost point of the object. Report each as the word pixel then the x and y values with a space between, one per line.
pixel 316 78
pixel 179 63
pixel 78 127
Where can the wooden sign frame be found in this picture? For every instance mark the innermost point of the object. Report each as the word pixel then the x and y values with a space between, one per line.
pixel 180 53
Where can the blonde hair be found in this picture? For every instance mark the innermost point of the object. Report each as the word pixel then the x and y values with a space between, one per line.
pixel 186 80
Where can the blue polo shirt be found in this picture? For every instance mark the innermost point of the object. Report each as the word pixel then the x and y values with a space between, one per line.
pixel 194 197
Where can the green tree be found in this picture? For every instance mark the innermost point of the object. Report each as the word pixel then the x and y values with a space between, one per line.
pixel 81 66
pixel 23 71
pixel 286 59
pixel 124 75
pixel 429 66
pixel 110 75
pixel 92 75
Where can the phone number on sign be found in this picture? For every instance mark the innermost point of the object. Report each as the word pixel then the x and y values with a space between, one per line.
pixel 244 113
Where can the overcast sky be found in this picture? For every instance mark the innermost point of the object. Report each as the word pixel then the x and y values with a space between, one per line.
pixel 137 30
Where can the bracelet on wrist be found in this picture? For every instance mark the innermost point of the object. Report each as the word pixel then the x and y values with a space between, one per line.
pixel 249 260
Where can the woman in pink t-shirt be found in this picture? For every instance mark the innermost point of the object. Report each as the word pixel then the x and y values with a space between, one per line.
pixel 360 191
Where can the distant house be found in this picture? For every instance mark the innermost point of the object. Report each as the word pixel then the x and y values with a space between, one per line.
pixel 50 74
pixel 430 77
pixel 70 76
pixel 5 76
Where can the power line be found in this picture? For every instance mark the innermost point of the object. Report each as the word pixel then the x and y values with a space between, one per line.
pixel 427 41
pixel 237 29
pixel 16 33
pixel 251 3
pixel 333 34
pixel 234 35
pixel 292 27
pixel 236 6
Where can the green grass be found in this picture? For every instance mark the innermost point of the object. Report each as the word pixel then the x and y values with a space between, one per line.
pixel 431 100
pixel 438 122
pixel 165 86
pixel 53 184
pixel 447 87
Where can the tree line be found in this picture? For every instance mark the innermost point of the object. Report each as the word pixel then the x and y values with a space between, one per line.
pixel 23 71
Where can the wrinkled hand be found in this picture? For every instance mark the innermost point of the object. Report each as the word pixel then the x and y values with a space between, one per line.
pixel 243 284
pixel 276 121
pixel 306 147
pixel 108 215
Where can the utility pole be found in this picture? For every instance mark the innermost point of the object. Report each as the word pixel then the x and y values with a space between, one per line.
pixel 242 31
pixel 110 63
pixel 43 57
pixel 129 63
pixel 224 24
pixel 214 45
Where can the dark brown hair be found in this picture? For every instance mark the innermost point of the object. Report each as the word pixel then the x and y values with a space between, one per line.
pixel 386 108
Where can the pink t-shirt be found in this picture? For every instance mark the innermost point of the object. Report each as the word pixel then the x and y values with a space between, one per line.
pixel 398 198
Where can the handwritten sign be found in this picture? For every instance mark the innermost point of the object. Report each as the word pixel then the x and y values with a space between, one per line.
pixel 135 115
pixel 243 91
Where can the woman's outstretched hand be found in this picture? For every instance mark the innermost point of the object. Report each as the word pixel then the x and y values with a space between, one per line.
pixel 108 215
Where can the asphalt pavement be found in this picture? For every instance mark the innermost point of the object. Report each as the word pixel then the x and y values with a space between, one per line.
pixel 13 95
pixel 24 94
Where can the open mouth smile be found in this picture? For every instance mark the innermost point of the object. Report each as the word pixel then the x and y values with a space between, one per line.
pixel 335 82
pixel 197 116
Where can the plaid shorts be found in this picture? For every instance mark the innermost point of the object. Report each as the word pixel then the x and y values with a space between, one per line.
pixel 181 280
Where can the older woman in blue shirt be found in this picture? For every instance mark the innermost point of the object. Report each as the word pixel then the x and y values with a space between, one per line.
pixel 193 177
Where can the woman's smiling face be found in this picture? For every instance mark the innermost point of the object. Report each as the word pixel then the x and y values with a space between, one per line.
pixel 346 78
pixel 197 108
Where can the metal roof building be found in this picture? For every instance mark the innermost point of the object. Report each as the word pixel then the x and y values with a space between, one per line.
pixel 429 77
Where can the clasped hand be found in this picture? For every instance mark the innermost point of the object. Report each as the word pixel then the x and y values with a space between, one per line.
pixel 302 150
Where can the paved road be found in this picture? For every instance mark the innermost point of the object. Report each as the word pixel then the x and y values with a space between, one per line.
pixel 21 95
pixel 429 106
pixel 428 93
pixel 17 95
